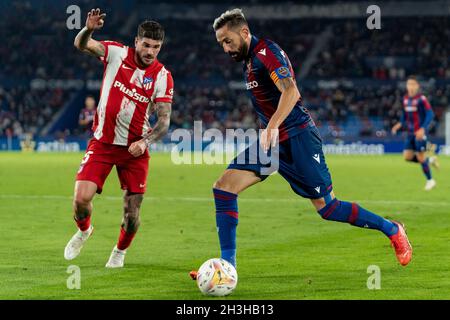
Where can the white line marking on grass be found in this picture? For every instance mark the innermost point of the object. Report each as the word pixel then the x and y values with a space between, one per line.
pixel 203 199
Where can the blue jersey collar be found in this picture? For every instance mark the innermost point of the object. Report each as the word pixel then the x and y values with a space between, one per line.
pixel 253 44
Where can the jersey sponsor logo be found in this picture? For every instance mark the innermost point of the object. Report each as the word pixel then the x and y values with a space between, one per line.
pixel 251 85
pixel 410 109
pixel 262 51
pixel 316 157
pixel 131 93
pixel 148 81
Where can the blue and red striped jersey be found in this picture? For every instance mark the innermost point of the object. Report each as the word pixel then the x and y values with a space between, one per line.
pixel 267 63
pixel 417 113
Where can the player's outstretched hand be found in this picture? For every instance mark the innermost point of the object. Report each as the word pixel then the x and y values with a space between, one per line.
pixel 95 20
pixel 137 148
pixel 269 138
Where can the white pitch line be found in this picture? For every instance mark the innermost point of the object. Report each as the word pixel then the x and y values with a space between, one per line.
pixel 202 199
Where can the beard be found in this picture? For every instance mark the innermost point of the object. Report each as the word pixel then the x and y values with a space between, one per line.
pixel 241 53
pixel 144 60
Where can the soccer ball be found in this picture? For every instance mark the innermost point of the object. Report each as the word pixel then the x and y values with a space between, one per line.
pixel 217 277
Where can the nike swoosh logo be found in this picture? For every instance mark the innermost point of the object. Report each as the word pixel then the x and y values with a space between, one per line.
pixel 125 67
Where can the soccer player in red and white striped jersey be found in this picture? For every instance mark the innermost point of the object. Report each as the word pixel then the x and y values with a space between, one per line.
pixel 135 84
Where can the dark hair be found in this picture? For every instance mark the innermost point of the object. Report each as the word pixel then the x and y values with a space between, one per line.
pixel 232 18
pixel 413 77
pixel 150 29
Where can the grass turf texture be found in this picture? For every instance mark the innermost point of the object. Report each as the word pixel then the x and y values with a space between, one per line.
pixel 285 250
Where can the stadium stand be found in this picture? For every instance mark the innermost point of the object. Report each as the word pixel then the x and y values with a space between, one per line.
pixel 352 86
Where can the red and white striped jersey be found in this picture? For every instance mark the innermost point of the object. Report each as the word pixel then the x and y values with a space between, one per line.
pixel 127 95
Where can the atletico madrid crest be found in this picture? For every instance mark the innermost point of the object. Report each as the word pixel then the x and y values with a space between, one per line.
pixel 148 81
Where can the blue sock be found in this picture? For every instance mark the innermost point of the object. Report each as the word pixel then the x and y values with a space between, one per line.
pixel 426 169
pixel 355 215
pixel 226 221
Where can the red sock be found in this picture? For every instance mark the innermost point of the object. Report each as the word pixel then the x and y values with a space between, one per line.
pixel 84 224
pixel 125 239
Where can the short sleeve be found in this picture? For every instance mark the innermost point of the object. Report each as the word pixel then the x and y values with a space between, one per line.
pixel 425 102
pixel 275 61
pixel 164 87
pixel 112 49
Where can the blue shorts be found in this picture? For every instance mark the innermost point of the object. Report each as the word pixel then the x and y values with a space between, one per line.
pixel 411 143
pixel 299 160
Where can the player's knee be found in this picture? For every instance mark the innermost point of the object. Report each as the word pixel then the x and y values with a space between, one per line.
pixel 223 185
pixel 133 201
pixel 81 200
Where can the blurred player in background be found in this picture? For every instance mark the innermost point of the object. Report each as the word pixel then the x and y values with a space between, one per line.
pixel 87 114
pixel 273 90
pixel 135 84
pixel 416 118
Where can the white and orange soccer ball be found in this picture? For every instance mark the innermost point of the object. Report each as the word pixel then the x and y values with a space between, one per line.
pixel 217 277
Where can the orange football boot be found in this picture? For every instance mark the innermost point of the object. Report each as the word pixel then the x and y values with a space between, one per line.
pixel 193 274
pixel 400 242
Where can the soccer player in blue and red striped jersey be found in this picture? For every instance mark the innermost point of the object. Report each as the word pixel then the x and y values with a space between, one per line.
pixel 272 87
pixel 416 118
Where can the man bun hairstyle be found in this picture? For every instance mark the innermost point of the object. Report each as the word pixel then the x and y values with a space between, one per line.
pixel 232 18
pixel 150 29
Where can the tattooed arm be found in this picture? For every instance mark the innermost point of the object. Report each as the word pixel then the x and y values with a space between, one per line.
pixel 163 111
pixel 288 99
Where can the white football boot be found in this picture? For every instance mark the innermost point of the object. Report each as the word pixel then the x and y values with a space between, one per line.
pixel 116 258
pixel 75 244
pixel 430 184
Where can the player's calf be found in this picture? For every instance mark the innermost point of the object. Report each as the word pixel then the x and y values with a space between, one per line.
pixel 82 214
pixel 82 207
pixel 82 203
pixel 131 219
pixel 352 213
pixel 130 225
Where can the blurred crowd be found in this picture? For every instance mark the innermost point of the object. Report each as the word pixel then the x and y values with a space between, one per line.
pixel 202 72
pixel 413 44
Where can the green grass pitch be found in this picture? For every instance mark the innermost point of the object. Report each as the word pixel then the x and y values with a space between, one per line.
pixel 285 250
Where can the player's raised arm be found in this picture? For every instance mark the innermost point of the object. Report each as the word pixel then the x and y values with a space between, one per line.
pixel 84 42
